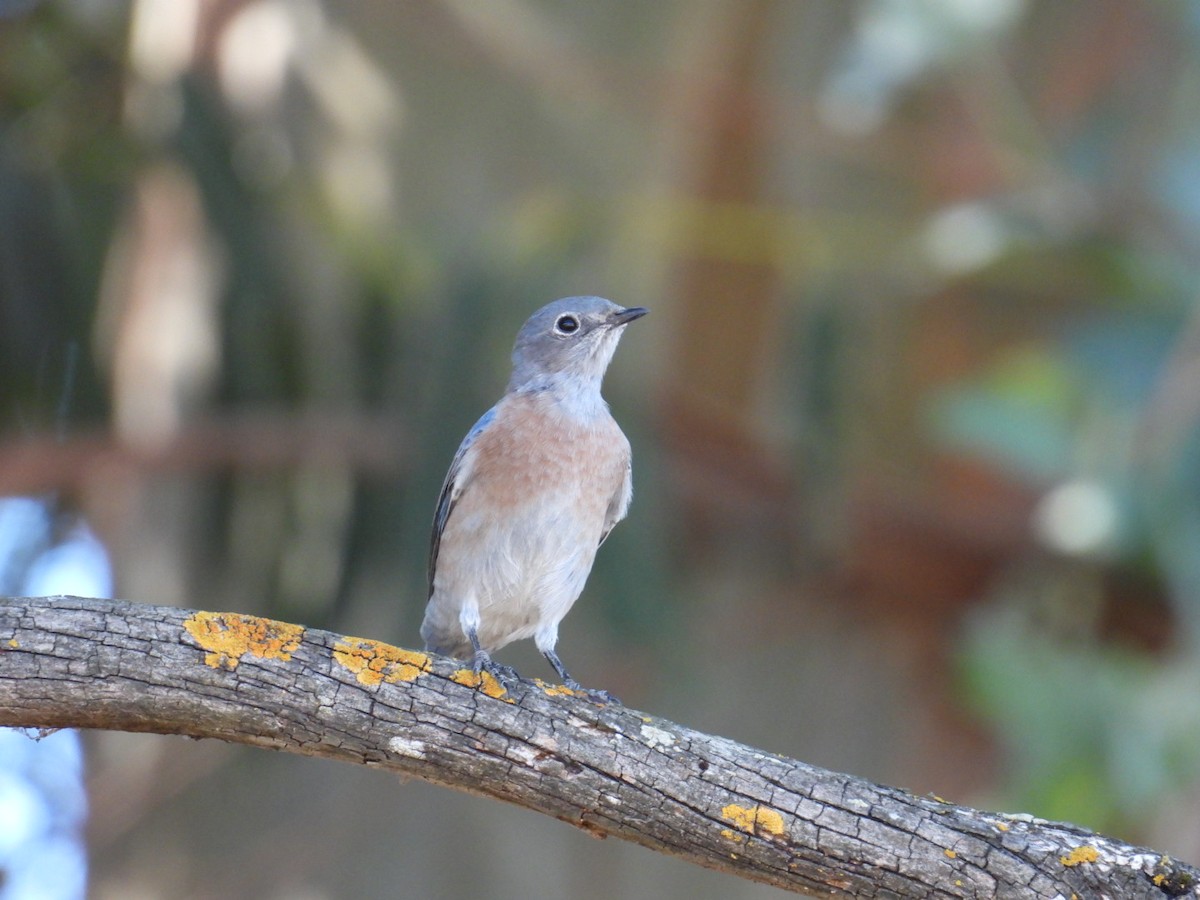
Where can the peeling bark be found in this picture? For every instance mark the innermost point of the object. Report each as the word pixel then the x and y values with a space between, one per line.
pixel 72 662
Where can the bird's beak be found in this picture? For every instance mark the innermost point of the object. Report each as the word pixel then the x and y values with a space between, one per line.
pixel 625 316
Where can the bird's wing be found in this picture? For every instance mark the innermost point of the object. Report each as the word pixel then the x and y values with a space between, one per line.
pixel 452 488
pixel 619 504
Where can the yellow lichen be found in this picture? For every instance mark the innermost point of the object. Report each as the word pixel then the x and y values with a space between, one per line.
pixel 12 642
pixel 374 662
pixel 485 681
pixel 229 636
pixel 754 819
pixel 950 853
pixel 555 690
pixel 731 835
pixel 1084 854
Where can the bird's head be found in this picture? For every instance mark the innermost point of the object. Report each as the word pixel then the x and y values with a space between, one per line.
pixel 569 339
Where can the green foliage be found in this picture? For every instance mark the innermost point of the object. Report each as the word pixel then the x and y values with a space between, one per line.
pixel 1098 734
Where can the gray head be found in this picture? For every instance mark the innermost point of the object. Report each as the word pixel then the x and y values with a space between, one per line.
pixel 572 339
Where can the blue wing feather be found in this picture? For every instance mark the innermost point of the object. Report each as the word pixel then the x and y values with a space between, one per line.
pixel 449 494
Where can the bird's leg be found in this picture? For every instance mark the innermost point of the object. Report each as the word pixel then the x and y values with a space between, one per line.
pixel 506 675
pixel 592 693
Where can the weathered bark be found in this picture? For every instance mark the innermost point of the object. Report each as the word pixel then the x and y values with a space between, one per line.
pixel 71 662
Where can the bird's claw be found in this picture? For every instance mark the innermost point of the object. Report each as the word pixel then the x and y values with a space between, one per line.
pixel 593 694
pixel 506 675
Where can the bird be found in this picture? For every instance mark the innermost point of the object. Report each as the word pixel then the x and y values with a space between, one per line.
pixel 533 491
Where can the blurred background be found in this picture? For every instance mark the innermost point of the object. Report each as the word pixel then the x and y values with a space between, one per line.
pixel 915 417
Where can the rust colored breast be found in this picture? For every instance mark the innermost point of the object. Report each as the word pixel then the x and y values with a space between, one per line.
pixel 535 454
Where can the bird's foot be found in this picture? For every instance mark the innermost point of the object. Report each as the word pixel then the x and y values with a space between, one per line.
pixel 593 694
pixel 602 697
pixel 506 675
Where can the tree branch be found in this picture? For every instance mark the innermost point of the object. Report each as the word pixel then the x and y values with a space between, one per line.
pixel 71 662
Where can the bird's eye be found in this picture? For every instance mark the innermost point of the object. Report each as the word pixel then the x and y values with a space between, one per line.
pixel 566 324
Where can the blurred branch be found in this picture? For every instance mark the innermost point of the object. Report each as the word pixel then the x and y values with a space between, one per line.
pixel 259 440
pixel 70 662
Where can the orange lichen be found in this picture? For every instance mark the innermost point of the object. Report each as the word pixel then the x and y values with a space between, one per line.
pixel 754 820
pixel 229 636
pixel 485 681
pixel 1084 854
pixel 555 690
pixel 374 662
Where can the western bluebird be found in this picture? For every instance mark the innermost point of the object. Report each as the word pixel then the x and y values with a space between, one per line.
pixel 533 491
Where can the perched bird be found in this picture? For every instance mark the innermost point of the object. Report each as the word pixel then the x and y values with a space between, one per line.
pixel 533 491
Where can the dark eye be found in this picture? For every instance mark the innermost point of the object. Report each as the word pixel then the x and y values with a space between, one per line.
pixel 566 324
